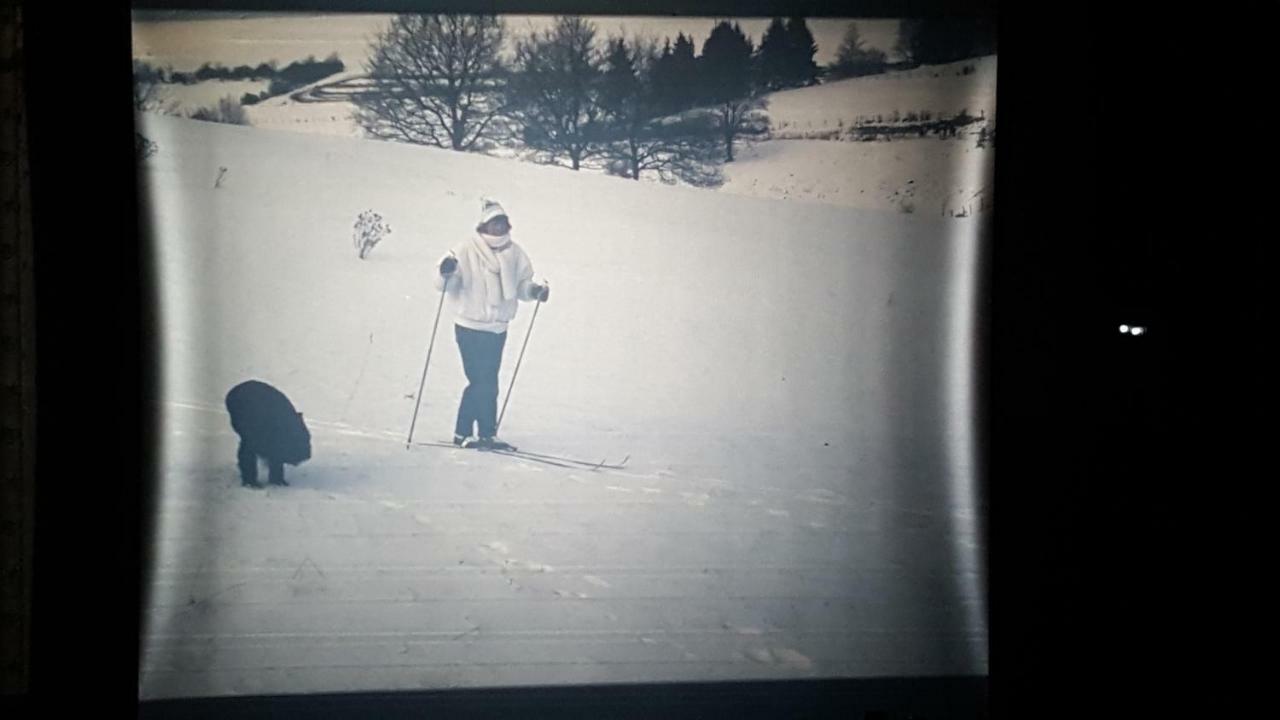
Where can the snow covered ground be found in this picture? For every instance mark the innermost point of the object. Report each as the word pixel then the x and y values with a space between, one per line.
pixel 937 178
pixel 791 379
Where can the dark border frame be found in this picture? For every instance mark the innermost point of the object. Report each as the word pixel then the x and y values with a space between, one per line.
pixel 1065 262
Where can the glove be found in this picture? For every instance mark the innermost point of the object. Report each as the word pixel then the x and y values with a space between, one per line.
pixel 541 293
pixel 448 266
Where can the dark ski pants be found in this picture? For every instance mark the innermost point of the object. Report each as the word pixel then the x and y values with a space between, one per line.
pixel 481 358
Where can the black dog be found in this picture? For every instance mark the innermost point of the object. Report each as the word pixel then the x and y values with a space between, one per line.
pixel 268 427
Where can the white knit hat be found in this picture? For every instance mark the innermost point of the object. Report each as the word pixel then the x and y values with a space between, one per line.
pixel 489 209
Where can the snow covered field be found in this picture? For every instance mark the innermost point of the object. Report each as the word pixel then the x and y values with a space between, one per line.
pixel 943 90
pixel 936 178
pixel 186 99
pixel 791 380
pixel 789 367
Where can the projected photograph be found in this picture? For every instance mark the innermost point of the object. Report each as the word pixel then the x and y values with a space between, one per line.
pixel 504 351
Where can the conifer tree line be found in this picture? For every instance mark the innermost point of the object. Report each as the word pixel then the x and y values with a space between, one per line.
pixel 572 95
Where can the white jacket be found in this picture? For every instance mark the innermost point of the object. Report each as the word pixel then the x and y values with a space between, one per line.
pixel 471 298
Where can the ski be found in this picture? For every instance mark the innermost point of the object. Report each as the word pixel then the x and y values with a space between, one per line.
pixel 530 458
pixel 557 460
pixel 521 456
pixel 589 464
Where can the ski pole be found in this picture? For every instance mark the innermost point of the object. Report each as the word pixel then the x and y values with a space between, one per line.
pixel 528 333
pixel 431 346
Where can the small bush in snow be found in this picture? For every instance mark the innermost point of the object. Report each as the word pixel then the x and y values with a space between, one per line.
pixel 228 110
pixel 144 147
pixel 369 231
pixel 987 136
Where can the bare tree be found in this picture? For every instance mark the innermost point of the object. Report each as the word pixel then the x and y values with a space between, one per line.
pixel 145 96
pixel 556 93
pixel 683 148
pixel 741 118
pixel 228 110
pixel 146 91
pixel 436 80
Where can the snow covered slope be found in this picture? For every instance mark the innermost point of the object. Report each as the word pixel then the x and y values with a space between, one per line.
pixel 943 90
pixel 792 380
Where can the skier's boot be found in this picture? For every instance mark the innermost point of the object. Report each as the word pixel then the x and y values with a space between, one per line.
pixel 493 443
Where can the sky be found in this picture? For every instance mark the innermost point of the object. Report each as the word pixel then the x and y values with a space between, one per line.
pixel 249 38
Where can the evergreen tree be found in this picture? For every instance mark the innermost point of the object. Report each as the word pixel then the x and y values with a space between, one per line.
pixel 801 49
pixel 934 41
pixel 774 57
pixel 854 59
pixel 725 65
pixel 640 139
pixel 726 70
pixel 685 91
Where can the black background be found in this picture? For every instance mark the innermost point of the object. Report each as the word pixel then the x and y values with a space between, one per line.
pixel 1082 484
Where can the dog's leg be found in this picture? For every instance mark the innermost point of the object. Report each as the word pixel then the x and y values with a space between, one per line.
pixel 248 462
pixel 276 476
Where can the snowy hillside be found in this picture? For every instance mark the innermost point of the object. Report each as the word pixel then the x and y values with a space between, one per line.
pixel 944 90
pixel 186 99
pixel 930 176
pixel 936 178
pixel 811 155
pixel 283 112
pixel 791 379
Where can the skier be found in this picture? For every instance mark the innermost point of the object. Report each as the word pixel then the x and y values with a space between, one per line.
pixel 485 276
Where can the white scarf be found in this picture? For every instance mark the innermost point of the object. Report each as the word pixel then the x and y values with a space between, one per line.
pixel 491 251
